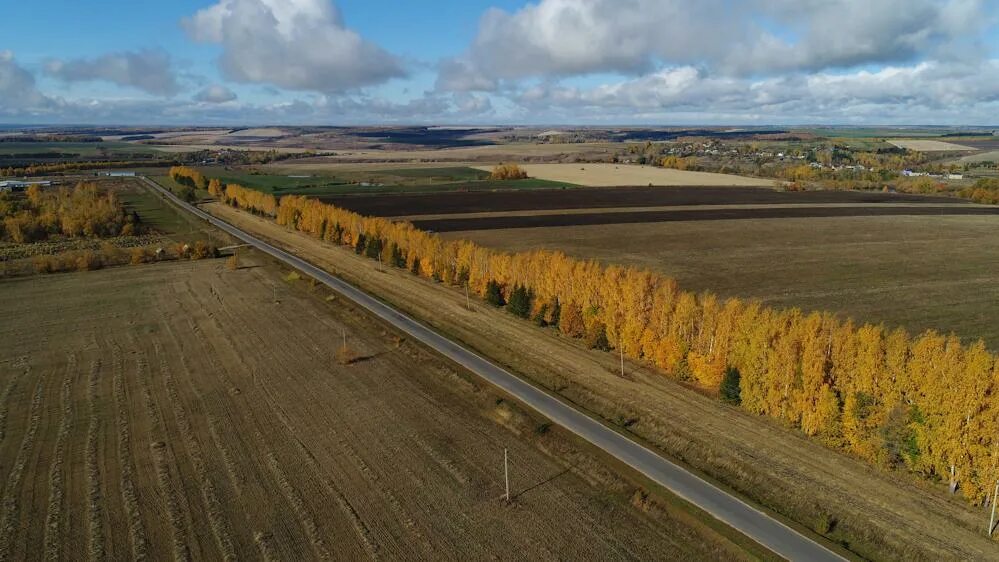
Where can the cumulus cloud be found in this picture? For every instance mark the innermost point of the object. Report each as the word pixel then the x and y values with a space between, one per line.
pixel 216 93
pixel 294 44
pixel 927 92
pixel 558 38
pixel 18 93
pixel 149 70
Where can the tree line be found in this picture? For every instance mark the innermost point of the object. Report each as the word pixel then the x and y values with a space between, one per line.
pixel 84 211
pixel 925 403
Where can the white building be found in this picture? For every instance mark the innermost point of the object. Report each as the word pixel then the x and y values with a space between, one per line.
pixel 15 185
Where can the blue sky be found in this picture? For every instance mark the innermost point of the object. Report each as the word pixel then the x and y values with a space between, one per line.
pixel 500 61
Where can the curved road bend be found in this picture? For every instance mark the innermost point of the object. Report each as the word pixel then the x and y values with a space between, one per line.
pixel 722 505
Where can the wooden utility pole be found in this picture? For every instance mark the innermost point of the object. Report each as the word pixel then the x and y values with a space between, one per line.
pixel 992 519
pixel 506 473
pixel 468 303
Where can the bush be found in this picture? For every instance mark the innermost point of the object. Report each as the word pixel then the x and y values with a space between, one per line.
pixel 494 294
pixel 596 337
pixel 731 386
pixel 520 302
pixel 88 260
pixel 508 172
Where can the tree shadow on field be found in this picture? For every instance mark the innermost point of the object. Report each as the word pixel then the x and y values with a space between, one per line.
pixel 548 480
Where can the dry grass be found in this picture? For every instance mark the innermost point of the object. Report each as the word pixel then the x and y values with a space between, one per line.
pixel 609 175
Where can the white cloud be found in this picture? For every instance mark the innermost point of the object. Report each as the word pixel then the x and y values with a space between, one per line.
pixel 149 70
pixel 559 38
pixel 293 44
pixel 19 95
pixel 216 93
pixel 928 92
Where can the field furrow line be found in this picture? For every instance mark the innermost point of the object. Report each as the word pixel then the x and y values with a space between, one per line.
pixel 210 495
pixel 265 544
pixel 95 526
pixel 12 490
pixel 20 364
pixel 129 497
pixel 364 534
pixel 294 499
pixel 163 460
pixel 54 515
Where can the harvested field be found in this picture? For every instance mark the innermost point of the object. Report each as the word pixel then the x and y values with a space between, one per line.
pixel 606 175
pixel 176 411
pixel 990 156
pixel 926 145
pixel 883 516
pixel 919 272
pixel 601 198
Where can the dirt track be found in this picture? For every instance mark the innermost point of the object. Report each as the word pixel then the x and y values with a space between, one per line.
pixel 881 515
pixel 176 411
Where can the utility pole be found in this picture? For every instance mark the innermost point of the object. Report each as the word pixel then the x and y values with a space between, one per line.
pixel 468 303
pixel 992 519
pixel 506 473
pixel 621 347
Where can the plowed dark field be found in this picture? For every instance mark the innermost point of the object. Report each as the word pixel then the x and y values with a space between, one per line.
pixel 590 219
pixel 587 198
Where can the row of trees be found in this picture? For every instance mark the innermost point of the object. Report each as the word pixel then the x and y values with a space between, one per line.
pixel 189 177
pixel 62 167
pixel 84 211
pixel 925 403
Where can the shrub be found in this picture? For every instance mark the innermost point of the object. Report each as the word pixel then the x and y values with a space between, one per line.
pixel 508 172
pixel 731 386
pixel 88 260
pixel 494 294
pixel 596 337
pixel 520 302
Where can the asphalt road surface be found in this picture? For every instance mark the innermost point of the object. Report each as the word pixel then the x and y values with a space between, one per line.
pixel 722 505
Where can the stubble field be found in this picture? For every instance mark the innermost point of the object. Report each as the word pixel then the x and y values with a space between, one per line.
pixel 177 411
pixel 604 175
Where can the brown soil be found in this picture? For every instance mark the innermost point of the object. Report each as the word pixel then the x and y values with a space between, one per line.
pixel 590 219
pixel 597 197
pixel 176 411
pixel 878 515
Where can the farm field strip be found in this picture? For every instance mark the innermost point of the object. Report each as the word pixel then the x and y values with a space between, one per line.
pixel 720 207
pixel 928 145
pixel 607 175
pixel 602 198
pixel 449 224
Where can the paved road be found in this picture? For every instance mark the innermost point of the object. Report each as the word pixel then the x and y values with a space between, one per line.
pixel 736 513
